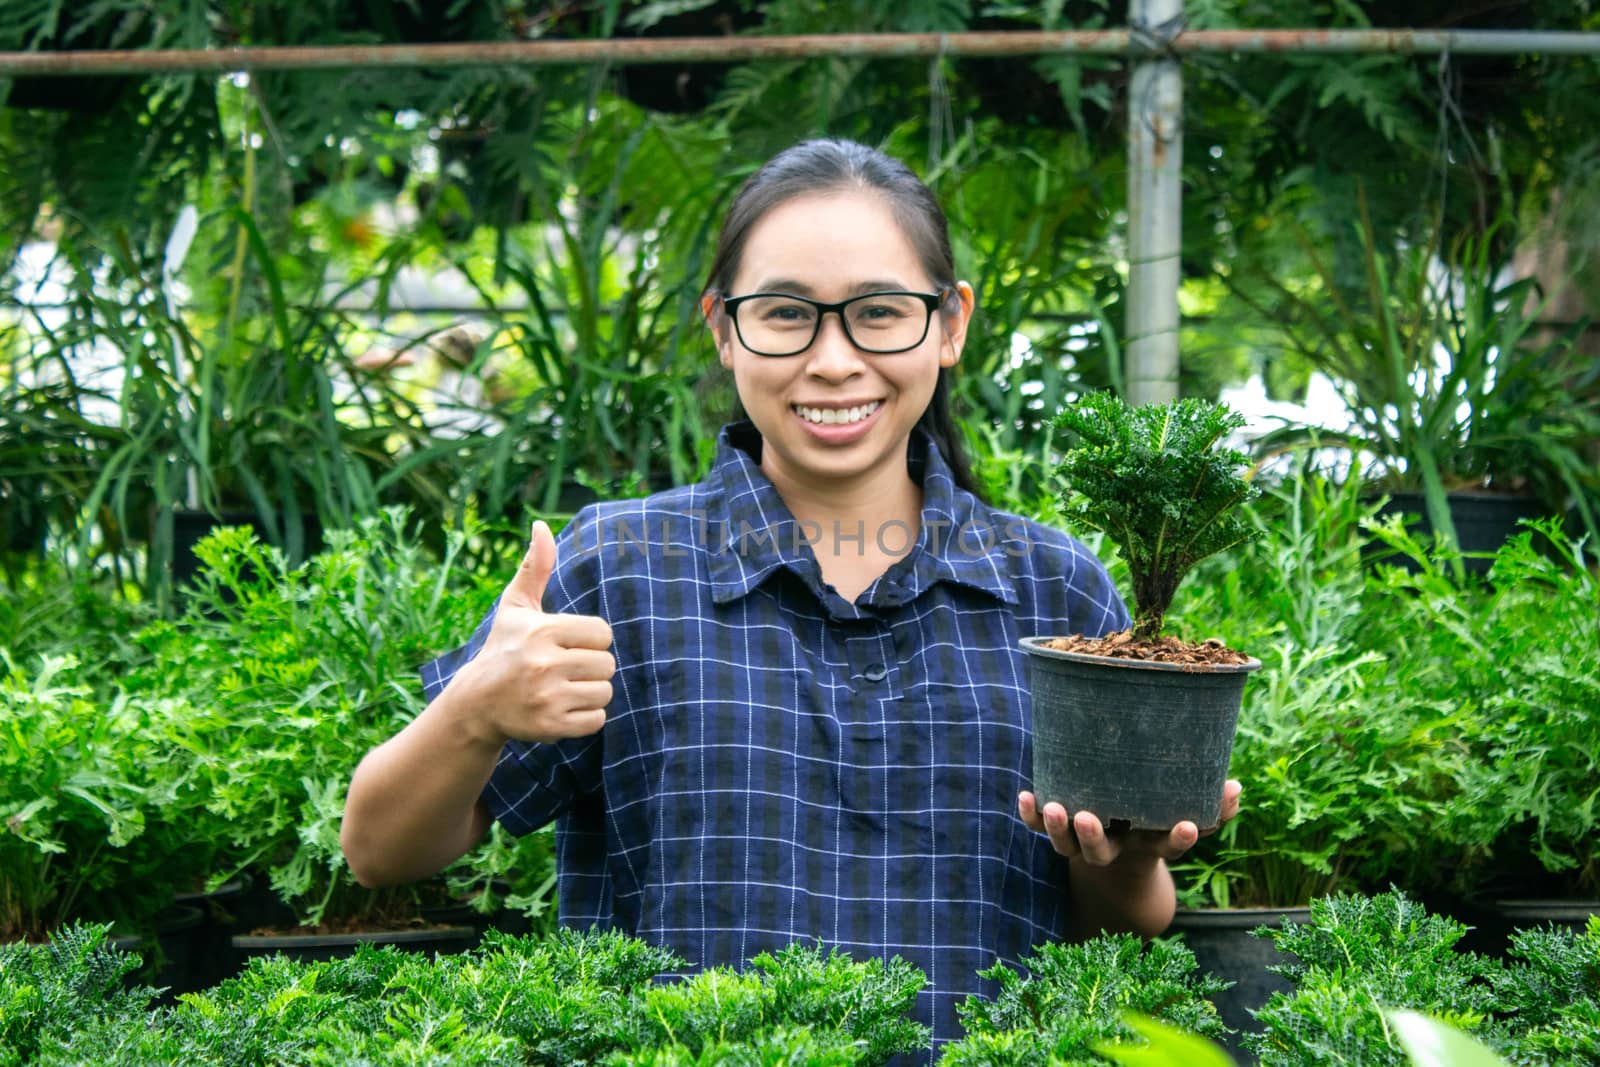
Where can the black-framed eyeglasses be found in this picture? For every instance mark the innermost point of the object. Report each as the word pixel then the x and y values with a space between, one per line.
pixel 782 324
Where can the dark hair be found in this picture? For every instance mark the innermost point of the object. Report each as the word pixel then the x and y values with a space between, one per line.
pixel 823 165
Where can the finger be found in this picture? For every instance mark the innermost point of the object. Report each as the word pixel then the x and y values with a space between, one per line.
pixel 588 665
pixel 1028 811
pixel 581 631
pixel 1098 849
pixel 1232 790
pixel 584 696
pixel 581 723
pixel 1060 828
pixel 1181 839
pixel 526 589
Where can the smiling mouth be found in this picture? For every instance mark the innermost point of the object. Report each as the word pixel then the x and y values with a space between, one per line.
pixel 836 416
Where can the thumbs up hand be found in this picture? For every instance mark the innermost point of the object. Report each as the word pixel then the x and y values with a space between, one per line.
pixel 539 677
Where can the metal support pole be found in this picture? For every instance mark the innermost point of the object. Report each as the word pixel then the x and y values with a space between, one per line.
pixel 1155 206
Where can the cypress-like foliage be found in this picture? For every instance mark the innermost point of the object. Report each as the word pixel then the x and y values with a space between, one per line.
pixel 1158 481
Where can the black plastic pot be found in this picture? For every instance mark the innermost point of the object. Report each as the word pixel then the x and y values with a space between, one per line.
pixel 218 908
pixel 1528 914
pixel 175 956
pixel 1223 945
pixel 309 948
pixel 462 913
pixel 188 527
pixel 1140 744
pixel 1483 522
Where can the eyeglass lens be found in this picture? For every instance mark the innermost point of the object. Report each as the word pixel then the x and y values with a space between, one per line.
pixel 878 322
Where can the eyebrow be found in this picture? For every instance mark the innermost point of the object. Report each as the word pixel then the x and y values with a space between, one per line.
pixel 799 288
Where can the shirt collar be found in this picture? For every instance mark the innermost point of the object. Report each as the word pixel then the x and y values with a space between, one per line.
pixel 751 533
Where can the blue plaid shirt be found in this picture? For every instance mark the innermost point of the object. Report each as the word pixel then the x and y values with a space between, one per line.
pixel 778 763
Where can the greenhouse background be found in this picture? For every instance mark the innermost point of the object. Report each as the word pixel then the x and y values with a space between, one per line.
pixel 369 320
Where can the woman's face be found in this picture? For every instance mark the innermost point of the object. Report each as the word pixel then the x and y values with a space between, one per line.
pixel 833 411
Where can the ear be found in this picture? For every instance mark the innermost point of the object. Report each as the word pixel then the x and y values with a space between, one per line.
pixel 954 315
pixel 717 323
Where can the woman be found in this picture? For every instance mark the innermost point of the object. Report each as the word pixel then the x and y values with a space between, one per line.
pixel 787 702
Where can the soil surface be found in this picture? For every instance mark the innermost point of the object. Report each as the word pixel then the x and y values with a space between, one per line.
pixel 349 925
pixel 1121 645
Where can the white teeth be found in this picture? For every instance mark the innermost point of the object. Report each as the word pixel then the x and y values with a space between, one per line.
pixel 836 416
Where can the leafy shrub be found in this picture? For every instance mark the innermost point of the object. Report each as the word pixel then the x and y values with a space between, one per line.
pixel 50 608
pixel 49 991
pixel 1357 956
pixel 569 1000
pixel 1157 481
pixel 1345 777
pixel 1075 998
pixel 1297 580
pixel 1349 770
pixel 797 990
pixel 1362 957
pixel 75 791
pixel 1410 728
pixel 1549 997
pixel 295 674
pixel 1516 660
pixel 586 1000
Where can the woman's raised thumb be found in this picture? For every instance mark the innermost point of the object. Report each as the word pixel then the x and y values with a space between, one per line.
pixel 533 573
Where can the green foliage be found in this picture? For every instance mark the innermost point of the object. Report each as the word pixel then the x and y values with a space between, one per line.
pixel 1520 655
pixel 1449 378
pixel 50 991
pixel 1165 1046
pixel 721 1016
pixel 1349 770
pixel 1074 998
pixel 1362 958
pixel 1406 727
pixel 774 1048
pixel 604 394
pixel 292 675
pixel 600 998
pixel 1355 957
pixel 1298 579
pixel 867 1002
pixel 1343 775
pixel 51 607
pixel 1158 482
pixel 48 455
pixel 73 795
pixel 570 1000
pixel 1549 996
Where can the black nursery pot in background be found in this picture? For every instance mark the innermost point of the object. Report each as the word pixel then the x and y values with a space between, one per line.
pixel 1224 944
pixel 1133 741
pixel 189 527
pixel 1484 521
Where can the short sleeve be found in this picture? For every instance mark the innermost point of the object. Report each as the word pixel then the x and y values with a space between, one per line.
pixel 436 673
pixel 533 784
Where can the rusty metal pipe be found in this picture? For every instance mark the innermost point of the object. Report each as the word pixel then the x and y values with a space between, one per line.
pixel 738 49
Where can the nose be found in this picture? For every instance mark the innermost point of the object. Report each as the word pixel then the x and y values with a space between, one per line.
pixel 832 355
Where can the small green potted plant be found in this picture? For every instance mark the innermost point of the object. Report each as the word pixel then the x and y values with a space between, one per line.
pixel 1137 727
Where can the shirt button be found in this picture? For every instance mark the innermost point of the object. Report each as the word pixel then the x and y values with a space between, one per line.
pixel 875 673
